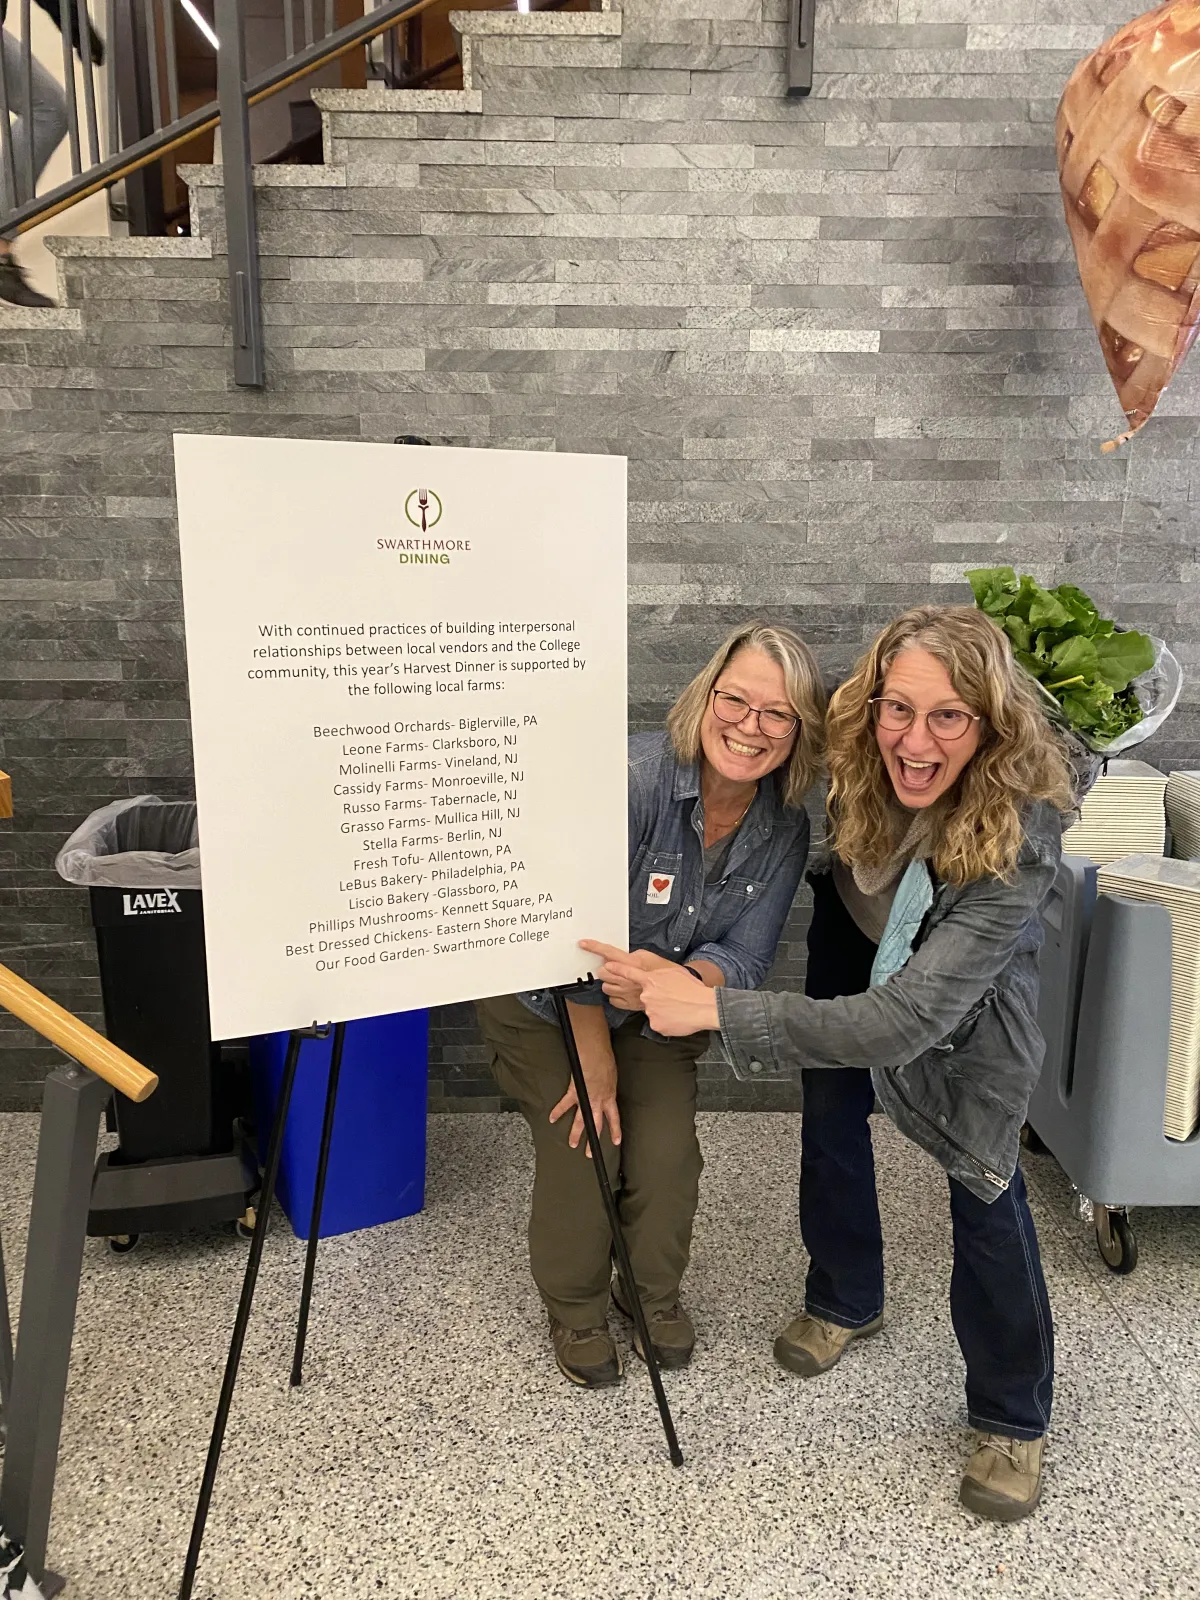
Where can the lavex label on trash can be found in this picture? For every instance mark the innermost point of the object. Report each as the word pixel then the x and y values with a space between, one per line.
pixel 151 903
pixel 377 1157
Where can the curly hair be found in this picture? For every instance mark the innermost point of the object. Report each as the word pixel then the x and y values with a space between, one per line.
pixel 1019 758
pixel 805 692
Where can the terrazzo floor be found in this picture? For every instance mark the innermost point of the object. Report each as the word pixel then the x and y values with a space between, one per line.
pixel 435 1452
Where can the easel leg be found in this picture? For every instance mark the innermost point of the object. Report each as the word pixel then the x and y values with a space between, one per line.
pixel 314 1230
pixel 242 1320
pixel 6 1348
pixel 624 1269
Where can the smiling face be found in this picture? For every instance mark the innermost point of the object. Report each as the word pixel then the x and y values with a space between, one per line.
pixel 741 751
pixel 921 765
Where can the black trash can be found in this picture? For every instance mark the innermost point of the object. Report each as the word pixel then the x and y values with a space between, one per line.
pixel 181 1160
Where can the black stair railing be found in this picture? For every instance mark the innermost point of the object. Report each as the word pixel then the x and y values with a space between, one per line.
pixel 135 49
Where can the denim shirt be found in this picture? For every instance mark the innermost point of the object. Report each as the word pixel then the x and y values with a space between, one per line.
pixel 735 922
pixel 951 1038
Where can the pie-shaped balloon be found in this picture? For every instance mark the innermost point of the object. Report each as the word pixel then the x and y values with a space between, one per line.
pixel 1128 135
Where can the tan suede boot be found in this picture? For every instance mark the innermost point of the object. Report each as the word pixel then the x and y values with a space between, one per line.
pixel 809 1345
pixel 1003 1480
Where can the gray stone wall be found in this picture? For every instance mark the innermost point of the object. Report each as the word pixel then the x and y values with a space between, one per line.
pixel 840 340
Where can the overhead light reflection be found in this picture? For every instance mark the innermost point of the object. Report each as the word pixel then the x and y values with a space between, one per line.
pixel 204 26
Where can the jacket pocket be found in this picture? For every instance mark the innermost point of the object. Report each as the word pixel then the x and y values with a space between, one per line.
pixel 956 1126
pixel 655 891
pixel 727 900
pixel 1000 1058
pixel 965 1027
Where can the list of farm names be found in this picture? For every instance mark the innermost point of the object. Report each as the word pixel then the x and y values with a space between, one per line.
pixel 428 810
pixel 430 819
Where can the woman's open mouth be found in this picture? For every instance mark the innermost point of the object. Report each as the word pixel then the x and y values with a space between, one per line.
pixel 738 747
pixel 917 775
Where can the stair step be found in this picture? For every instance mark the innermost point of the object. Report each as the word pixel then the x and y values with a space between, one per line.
pixel 211 175
pixel 49 318
pixel 129 249
pixel 539 24
pixel 411 101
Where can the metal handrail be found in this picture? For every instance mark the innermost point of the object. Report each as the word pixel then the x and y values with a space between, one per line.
pixel 84 1044
pixel 142 152
pixel 106 173
pixel 314 56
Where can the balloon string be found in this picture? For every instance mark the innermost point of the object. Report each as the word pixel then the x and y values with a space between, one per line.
pixel 1110 445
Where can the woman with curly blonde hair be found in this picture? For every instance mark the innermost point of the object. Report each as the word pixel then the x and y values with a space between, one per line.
pixel 946 800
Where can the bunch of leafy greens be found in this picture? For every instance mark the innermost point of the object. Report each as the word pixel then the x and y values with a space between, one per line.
pixel 1076 654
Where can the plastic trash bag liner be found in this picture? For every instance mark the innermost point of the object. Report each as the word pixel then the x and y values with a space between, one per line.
pixel 143 843
pixel 15 1582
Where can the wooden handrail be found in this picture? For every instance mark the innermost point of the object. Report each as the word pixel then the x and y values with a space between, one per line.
pixel 87 1047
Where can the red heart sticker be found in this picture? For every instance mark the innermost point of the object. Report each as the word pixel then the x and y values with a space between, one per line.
pixel 660 883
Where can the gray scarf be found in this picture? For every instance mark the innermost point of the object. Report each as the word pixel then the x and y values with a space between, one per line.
pixel 915 845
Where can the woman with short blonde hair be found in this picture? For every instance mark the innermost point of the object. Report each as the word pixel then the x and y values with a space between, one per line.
pixel 717 843
pixel 947 789
pixel 802 686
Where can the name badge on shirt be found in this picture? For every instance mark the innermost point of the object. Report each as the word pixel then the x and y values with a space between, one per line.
pixel 658 888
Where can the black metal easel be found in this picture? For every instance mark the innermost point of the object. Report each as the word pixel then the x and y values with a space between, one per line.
pixel 250 1280
pixel 267 1195
pixel 314 1227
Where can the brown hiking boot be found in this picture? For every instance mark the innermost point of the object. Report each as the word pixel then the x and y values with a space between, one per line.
pixel 587 1356
pixel 1003 1480
pixel 809 1345
pixel 16 288
pixel 671 1333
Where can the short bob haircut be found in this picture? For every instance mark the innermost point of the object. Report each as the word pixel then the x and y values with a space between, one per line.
pixel 1019 758
pixel 805 694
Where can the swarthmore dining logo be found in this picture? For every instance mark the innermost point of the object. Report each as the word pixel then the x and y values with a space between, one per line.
pixel 423 509
pixel 151 903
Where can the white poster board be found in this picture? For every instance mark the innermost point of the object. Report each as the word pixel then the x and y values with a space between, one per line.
pixel 408 692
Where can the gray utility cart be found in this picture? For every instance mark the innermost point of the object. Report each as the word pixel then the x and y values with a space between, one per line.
pixel 1106 1012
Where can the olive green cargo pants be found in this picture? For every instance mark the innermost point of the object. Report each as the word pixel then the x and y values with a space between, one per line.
pixel 655 1171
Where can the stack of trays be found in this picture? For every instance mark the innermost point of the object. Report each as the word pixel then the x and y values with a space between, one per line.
pixel 1183 808
pixel 1122 815
pixel 1161 881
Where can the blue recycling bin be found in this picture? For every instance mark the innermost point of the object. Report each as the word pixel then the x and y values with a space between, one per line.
pixel 377 1158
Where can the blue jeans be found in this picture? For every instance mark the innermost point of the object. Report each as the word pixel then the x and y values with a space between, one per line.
pixel 998 1300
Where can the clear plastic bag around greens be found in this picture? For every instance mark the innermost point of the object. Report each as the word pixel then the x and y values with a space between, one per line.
pixel 143 843
pixel 1157 692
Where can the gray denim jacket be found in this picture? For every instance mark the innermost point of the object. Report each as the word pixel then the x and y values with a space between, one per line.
pixel 735 923
pixel 951 1039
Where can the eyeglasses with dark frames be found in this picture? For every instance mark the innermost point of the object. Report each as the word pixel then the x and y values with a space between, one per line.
pixel 945 723
pixel 732 708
